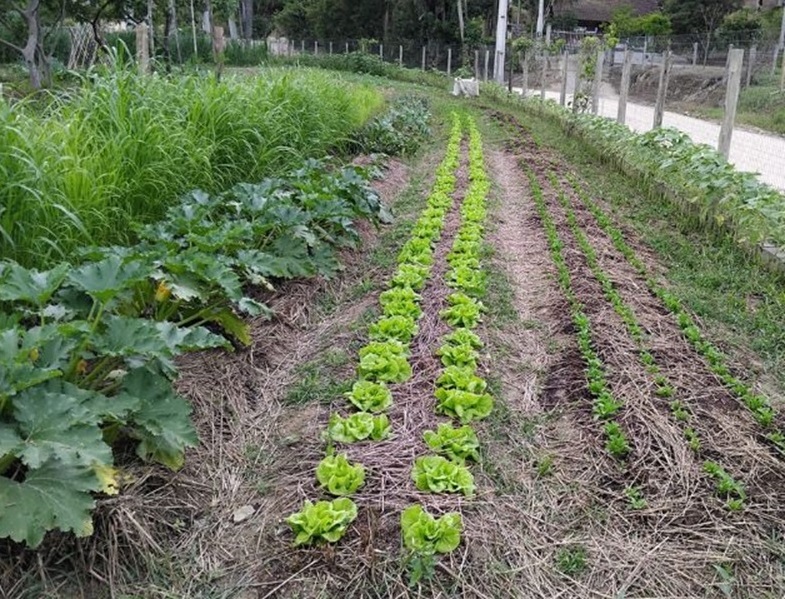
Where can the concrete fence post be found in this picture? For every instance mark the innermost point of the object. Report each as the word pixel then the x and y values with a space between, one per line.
pixel 381 52
pixel 735 64
pixel 477 65
pixel 751 64
pixel 695 54
pixel 142 49
pixel 564 66
pixel 624 91
pixel 662 90
pixel 525 75
pixel 449 61
pixel 487 59
pixel 424 49
pixel 595 100
pixel 331 48
pixel 316 48
pixel 544 76
pixel 346 48
pixel 774 60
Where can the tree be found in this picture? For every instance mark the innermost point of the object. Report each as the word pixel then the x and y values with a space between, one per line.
pixel 626 24
pixel 29 16
pixel 741 27
pixel 690 16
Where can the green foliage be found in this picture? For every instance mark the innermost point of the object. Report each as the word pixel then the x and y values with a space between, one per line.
pixel 465 406
pixel 360 426
pixel 322 521
pixel 400 130
pixel 463 336
pixel 384 361
pixel 572 560
pixel 615 440
pixel 457 444
pixel 726 486
pixel 424 534
pixel 122 148
pixel 436 474
pixel 393 328
pixel 689 16
pixel 339 476
pixel 635 497
pixel 368 396
pixel 627 25
pixel 745 26
pixel 463 311
pixel 462 356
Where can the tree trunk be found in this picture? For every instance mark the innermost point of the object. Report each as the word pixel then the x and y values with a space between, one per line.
pixel 246 6
pixel 34 57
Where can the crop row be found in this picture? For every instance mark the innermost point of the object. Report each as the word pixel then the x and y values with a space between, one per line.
pixel 382 362
pixel 759 406
pixel 605 405
pixel 460 393
pixel 87 350
pixel 732 490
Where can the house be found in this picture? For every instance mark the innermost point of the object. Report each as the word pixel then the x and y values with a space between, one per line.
pixel 761 4
pixel 590 14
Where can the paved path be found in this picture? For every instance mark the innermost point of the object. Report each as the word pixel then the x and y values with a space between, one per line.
pixel 750 151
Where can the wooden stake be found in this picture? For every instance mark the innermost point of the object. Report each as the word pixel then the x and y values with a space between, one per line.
pixel 662 90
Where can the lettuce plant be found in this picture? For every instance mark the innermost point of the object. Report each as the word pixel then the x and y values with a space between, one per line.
pixel 458 355
pixel 384 361
pixel 358 427
pixel 466 278
pixel 322 521
pixel 464 311
pixel 458 444
pixel 393 328
pixel 425 535
pixel 339 476
pixel 463 378
pixel 369 396
pixel 463 336
pixel 463 405
pixel 436 474
pixel 411 275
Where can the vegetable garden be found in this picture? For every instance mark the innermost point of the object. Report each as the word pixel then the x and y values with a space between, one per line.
pixel 403 347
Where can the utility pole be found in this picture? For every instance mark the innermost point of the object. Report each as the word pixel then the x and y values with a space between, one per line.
pixel 541 19
pixel 501 42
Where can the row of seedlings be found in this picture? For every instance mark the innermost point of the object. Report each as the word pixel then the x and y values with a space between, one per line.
pixel 759 406
pixel 605 406
pixel 460 393
pixel 382 362
pixel 727 487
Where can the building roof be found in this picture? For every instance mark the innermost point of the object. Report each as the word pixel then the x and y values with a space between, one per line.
pixel 602 10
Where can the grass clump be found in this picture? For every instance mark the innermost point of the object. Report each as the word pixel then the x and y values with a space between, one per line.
pixel 121 148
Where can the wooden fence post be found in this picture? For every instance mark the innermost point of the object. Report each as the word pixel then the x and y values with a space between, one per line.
pixel 662 90
pixel 302 47
pixel 576 88
pixel 331 48
pixel 346 47
pixel 424 48
pixel 624 91
pixel 564 67
pixel 142 49
pixel 315 48
pixel 595 100
pixel 695 54
pixel 525 75
pixel 381 52
pixel 543 76
pixel 735 63
pixel 774 61
pixel 449 61
pixel 218 49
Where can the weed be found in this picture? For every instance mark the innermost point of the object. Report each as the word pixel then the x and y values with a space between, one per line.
pixel 572 561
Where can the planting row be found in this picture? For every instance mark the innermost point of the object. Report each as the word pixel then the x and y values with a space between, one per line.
pixel 732 491
pixel 87 350
pixel 758 405
pixel 460 393
pixel 382 362
pixel 605 406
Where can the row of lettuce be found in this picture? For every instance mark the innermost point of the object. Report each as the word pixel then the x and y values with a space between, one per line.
pixel 88 348
pixel 606 408
pixel 667 162
pixel 460 393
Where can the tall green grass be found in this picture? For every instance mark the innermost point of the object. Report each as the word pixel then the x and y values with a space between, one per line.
pixel 121 148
